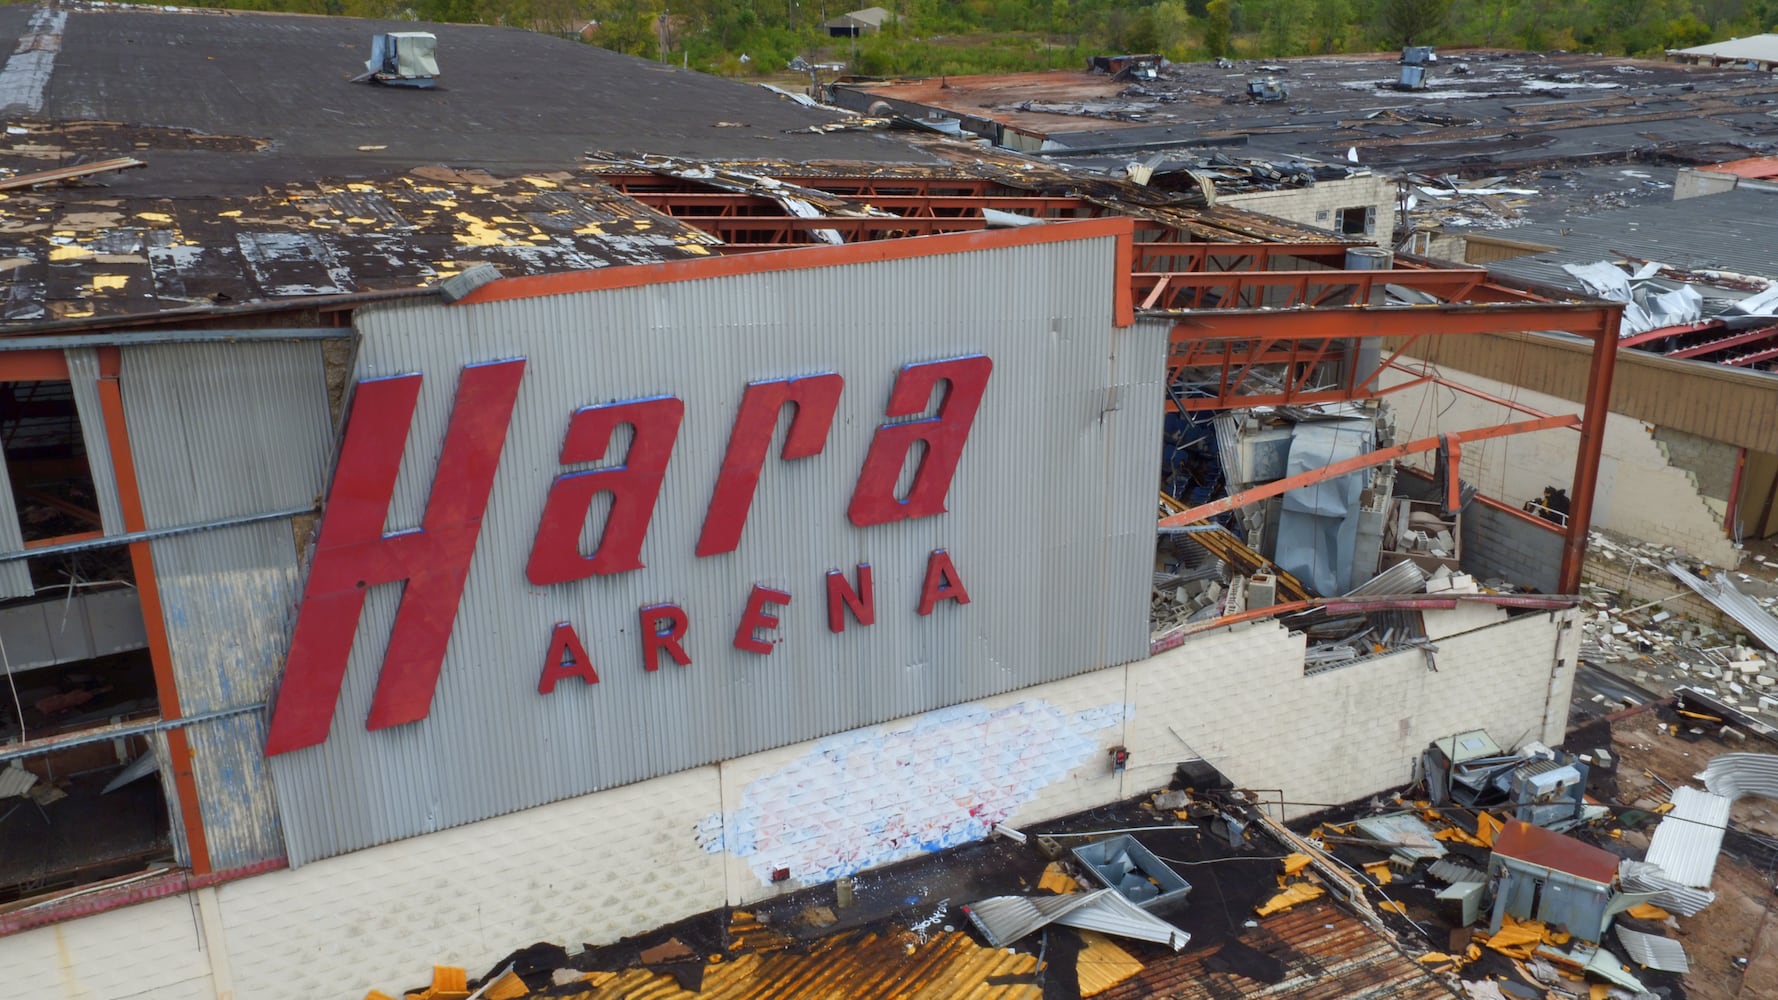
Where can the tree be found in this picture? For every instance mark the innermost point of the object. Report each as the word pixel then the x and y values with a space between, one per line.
pixel 1410 21
pixel 1218 26
pixel 1327 24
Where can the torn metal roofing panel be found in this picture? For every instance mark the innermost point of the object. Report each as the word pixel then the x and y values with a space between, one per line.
pixel 1607 966
pixel 1689 838
pixel 1653 951
pixel 1407 835
pixel 1324 951
pixel 1733 775
pixel 1536 846
pixel 1451 873
pixel 1640 876
pixel 1006 919
pixel 1718 590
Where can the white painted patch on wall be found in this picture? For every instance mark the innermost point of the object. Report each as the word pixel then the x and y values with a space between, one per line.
pixel 883 794
pixel 27 71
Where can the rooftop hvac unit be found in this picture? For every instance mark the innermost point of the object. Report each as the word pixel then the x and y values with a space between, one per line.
pixel 402 59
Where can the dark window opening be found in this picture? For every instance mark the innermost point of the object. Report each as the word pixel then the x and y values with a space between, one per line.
pixel 52 484
pixel 1355 221
pixel 79 807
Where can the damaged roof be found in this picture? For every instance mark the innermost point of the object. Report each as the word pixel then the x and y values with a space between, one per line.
pixel 228 101
pixel 1481 107
pixel 1734 231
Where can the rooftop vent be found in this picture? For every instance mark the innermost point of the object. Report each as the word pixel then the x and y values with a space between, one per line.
pixel 1416 67
pixel 402 59
pixel 1267 90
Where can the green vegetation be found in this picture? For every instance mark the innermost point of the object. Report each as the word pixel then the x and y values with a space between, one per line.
pixel 954 37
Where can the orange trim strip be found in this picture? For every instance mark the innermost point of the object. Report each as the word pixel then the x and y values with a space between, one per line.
pixel 129 497
pixel 33 366
pixel 804 258
pixel 1123 310
pixel 84 536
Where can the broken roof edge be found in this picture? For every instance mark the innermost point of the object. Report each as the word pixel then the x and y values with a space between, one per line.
pixel 1444 600
pixel 1121 228
pixel 323 304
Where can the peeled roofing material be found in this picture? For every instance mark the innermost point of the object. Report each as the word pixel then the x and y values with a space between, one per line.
pixel 1640 876
pixel 1005 919
pixel 1746 611
pixel 1733 775
pixel 1689 838
pixel 1654 951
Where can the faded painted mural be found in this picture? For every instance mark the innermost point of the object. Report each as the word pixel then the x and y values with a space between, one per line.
pixel 875 796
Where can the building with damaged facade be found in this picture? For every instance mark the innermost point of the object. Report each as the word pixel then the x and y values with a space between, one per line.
pixel 612 535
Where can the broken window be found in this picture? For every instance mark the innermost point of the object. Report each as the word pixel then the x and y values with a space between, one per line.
pixel 1359 221
pixel 52 484
pixel 81 798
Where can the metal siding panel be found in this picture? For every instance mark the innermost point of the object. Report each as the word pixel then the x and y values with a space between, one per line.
pixel 1689 838
pixel 224 430
pixel 234 790
pixel 15 576
pixel 226 597
pixel 83 378
pixel 1050 524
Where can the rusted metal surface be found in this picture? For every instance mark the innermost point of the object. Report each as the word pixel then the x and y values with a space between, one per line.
pixel 1326 952
pixel 860 966
pixel 1536 846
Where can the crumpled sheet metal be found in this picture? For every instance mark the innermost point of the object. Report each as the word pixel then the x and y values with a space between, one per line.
pixel 1640 876
pixel 1654 951
pixel 1005 919
pixel 1732 775
pixel 1746 611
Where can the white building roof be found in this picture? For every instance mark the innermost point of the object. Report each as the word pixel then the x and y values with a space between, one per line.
pixel 1762 48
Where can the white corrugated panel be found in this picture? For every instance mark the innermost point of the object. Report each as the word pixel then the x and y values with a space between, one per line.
pixel 226 430
pixel 1689 838
pixel 83 379
pixel 1653 951
pixel 1733 775
pixel 1050 522
pixel 15 576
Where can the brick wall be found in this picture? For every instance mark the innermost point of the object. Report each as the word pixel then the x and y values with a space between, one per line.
pixel 597 868
pixel 1642 493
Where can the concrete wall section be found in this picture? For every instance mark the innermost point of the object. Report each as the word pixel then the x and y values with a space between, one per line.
pixel 152 951
pixel 602 866
pixel 1643 492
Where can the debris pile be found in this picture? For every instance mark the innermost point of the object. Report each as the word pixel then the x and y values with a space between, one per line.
pixel 1713 634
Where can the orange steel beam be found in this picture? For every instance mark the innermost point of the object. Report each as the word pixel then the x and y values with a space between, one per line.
pixel 1423 377
pixel 1191 289
pixel 1364 461
pixel 1592 442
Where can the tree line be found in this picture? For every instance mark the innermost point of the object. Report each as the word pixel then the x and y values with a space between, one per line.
pixel 937 37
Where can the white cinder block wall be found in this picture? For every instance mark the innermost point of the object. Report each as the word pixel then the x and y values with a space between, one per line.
pixel 1641 493
pixel 1317 206
pixel 600 867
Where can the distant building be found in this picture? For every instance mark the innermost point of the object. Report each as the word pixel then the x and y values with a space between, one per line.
pixel 868 21
pixel 1758 52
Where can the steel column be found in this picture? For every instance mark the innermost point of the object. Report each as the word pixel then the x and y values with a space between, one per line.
pixel 1592 443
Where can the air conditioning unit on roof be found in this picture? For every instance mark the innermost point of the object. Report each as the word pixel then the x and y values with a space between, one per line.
pixel 402 59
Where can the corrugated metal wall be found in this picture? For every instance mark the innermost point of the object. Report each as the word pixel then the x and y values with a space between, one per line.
pixel 1718 402
pixel 15 576
pixel 83 379
pixel 221 431
pixel 1050 524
